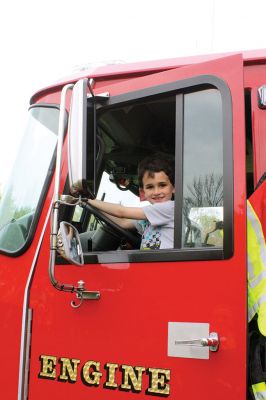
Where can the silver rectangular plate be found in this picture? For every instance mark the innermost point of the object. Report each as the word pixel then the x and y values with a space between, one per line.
pixel 185 331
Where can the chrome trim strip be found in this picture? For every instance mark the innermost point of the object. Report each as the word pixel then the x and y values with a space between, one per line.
pixel 27 353
pixel 22 383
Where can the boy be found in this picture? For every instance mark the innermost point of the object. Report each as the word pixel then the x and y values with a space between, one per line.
pixel 154 222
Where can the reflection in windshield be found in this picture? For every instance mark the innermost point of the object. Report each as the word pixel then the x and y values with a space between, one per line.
pixel 23 188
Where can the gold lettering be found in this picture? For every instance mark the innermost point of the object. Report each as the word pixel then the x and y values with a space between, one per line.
pixel 48 364
pixel 110 376
pixel 91 374
pixel 69 369
pixel 158 379
pixel 131 378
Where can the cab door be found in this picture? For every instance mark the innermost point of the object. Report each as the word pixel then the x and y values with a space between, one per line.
pixel 168 323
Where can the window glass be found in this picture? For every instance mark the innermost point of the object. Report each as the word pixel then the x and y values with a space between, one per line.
pixel 187 128
pixel 23 189
pixel 203 170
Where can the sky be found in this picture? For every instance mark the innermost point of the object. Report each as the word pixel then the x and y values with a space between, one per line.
pixel 44 41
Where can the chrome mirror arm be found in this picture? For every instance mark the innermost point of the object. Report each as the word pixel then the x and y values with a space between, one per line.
pixel 80 290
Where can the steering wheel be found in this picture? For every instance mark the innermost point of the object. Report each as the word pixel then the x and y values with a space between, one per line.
pixel 124 233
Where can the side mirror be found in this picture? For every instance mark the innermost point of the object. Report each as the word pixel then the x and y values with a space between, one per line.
pixel 68 244
pixel 77 136
pixel 81 141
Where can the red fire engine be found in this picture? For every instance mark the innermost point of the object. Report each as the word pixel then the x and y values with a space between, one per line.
pixel 116 322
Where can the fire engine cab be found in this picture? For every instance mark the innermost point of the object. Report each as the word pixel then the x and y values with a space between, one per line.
pixel 108 320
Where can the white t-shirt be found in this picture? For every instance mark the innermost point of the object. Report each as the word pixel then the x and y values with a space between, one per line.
pixel 158 229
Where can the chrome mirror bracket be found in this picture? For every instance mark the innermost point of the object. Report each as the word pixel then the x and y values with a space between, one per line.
pixel 83 294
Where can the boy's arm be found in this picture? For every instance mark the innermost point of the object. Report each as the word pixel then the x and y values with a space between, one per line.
pixel 122 215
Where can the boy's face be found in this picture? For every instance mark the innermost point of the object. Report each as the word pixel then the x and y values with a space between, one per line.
pixel 158 188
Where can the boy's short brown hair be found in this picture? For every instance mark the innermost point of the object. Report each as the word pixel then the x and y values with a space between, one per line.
pixel 155 163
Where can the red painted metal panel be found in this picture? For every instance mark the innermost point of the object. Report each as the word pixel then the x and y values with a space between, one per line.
pixel 128 325
pixel 122 70
pixel 14 273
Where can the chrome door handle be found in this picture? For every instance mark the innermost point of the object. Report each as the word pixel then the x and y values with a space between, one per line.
pixel 212 342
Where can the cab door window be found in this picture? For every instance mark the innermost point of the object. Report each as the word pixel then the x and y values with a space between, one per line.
pixel 189 125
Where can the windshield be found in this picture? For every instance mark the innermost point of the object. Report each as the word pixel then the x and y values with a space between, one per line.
pixel 24 187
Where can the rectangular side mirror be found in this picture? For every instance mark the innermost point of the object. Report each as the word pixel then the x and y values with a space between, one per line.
pixel 80 147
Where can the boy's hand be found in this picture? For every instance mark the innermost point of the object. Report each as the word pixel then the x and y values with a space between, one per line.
pixel 80 188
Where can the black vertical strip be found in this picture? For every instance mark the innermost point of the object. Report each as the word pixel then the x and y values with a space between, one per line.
pixel 179 125
pixel 90 155
pixel 91 151
pixel 94 147
pixel 228 179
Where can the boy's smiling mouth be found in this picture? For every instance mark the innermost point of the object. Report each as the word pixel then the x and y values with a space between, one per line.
pixel 158 199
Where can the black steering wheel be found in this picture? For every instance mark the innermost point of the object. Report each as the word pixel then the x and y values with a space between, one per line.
pixel 124 233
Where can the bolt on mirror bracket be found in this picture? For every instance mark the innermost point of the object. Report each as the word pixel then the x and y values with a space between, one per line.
pixel 84 294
